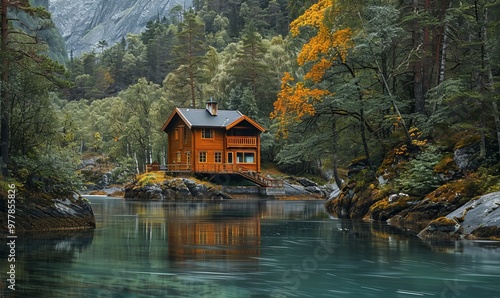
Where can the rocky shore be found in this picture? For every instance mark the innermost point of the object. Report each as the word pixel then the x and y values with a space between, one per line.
pixel 176 188
pixel 460 203
pixel 173 189
pixel 48 212
pixel 477 219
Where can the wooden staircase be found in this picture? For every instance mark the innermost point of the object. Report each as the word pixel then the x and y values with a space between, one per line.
pixel 261 180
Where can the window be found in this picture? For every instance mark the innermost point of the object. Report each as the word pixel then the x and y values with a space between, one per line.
pixel 218 157
pixel 202 237
pixel 188 160
pixel 178 157
pixel 206 133
pixel 245 157
pixel 230 157
pixel 203 157
pixel 184 134
pixel 176 134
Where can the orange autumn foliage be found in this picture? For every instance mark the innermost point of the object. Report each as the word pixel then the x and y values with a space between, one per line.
pixel 318 70
pixel 328 45
pixel 313 16
pixel 294 102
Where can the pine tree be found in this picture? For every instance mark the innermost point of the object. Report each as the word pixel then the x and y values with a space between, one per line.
pixel 189 54
pixel 249 68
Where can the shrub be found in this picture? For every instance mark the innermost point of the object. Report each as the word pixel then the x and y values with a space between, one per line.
pixel 125 171
pixel 51 172
pixel 418 176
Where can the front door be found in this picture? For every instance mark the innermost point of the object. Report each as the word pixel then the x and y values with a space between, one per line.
pixel 230 157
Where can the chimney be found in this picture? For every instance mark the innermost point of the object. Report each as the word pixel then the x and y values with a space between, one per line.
pixel 212 107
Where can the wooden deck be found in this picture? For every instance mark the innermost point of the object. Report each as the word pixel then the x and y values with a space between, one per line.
pixel 241 142
pixel 220 169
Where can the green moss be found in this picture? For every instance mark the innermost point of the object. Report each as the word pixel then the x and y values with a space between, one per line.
pixel 492 232
pixel 467 140
pixel 443 221
pixel 446 164
pixel 150 178
pixel 458 190
pixel 393 164
pixel 383 209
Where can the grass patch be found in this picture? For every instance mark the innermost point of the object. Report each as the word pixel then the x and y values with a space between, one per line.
pixel 150 178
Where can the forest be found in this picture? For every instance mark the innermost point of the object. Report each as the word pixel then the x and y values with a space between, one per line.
pixel 335 82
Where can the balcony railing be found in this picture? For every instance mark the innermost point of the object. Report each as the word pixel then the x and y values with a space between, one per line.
pixel 241 141
pixel 176 167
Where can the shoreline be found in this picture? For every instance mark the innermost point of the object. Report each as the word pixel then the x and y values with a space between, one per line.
pixel 46 212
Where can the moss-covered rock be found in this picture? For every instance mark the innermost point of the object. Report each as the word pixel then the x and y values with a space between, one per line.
pixel 478 219
pixel 491 232
pixel 48 211
pixel 155 187
pixel 404 170
pixel 356 197
pixel 389 206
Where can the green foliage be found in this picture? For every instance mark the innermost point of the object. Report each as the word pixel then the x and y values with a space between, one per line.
pixel 53 171
pixel 152 178
pixel 418 176
pixel 304 154
pixel 237 53
pixel 124 172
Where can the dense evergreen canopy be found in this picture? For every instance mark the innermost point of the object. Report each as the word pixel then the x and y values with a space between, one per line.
pixel 332 80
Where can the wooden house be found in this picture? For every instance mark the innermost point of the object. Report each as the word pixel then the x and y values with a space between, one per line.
pixel 212 141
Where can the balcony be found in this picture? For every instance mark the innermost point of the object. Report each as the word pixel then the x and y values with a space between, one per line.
pixel 241 142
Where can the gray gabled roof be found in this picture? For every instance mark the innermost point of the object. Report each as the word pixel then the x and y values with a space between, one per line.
pixel 201 117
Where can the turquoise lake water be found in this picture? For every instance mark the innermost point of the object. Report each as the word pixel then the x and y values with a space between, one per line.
pixel 246 248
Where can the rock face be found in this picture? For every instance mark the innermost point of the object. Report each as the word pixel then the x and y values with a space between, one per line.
pixel 84 23
pixel 174 189
pixel 479 218
pixel 480 215
pixel 303 187
pixel 466 157
pixel 41 213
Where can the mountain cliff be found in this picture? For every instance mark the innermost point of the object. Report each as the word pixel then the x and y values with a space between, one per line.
pixel 84 23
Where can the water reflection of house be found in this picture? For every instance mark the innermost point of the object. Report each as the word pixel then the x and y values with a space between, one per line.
pixel 214 238
pixel 201 230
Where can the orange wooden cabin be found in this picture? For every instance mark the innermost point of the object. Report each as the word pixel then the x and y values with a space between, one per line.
pixel 212 141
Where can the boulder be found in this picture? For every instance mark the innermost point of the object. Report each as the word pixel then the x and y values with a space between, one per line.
pixel 49 211
pixel 306 182
pixel 442 228
pixel 466 158
pixel 479 218
pixel 174 189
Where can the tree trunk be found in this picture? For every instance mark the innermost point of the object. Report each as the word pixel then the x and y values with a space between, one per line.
pixel 401 120
pixel 137 171
pixel 364 141
pixel 497 123
pixel 489 81
pixel 4 104
pixel 442 63
pixel 334 152
pixel 443 41
pixel 482 144
pixel 418 84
